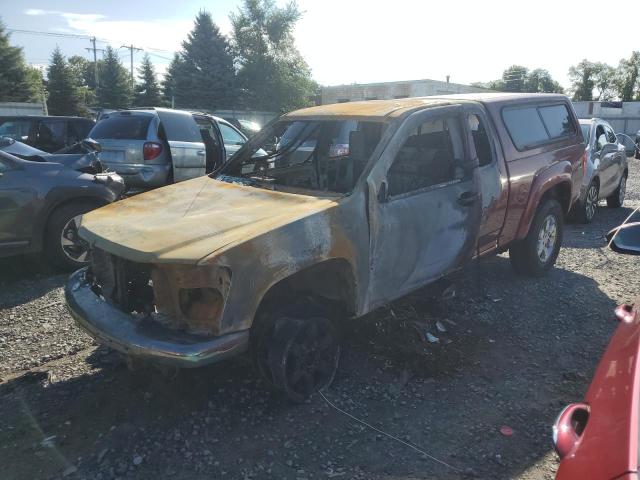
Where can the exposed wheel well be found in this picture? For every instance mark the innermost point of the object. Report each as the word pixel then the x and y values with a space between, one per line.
pixel 562 193
pixel 331 282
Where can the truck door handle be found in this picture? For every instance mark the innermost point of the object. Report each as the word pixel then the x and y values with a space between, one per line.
pixel 468 198
pixel 201 153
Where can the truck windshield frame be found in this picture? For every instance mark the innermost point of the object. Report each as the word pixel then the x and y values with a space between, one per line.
pixel 316 155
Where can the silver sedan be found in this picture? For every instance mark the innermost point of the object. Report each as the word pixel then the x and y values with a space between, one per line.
pixel 605 169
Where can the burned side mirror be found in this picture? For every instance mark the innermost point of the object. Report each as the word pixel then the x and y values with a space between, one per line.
pixel 625 238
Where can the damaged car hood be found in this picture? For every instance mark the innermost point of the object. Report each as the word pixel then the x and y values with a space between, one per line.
pixel 188 221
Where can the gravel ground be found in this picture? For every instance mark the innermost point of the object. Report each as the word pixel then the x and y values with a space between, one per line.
pixel 510 352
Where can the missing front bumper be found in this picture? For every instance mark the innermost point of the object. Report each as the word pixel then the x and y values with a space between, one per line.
pixel 146 339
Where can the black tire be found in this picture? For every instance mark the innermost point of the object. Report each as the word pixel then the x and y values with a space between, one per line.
pixel 616 199
pixel 59 255
pixel 283 343
pixel 585 210
pixel 524 254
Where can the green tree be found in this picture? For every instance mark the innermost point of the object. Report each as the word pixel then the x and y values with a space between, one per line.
pixel 583 80
pixel 272 73
pixel 203 76
pixel 627 78
pixel 64 95
pixel 604 78
pixel 168 82
pixel 514 78
pixel 18 82
pixel 147 92
pixel 114 90
pixel 541 81
pixel 83 76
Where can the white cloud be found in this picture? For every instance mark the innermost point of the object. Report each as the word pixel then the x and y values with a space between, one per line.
pixel 160 34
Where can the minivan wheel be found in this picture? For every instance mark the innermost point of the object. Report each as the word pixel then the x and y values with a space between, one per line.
pixel 538 251
pixel 63 246
pixel 616 199
pixel 585 211
pixel 303 356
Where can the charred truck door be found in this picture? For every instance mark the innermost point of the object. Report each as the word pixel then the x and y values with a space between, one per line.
pixel 424 204
pixel 188 153
pixel 494 181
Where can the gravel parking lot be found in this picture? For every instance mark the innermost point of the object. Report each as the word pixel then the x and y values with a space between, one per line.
pixel 506 351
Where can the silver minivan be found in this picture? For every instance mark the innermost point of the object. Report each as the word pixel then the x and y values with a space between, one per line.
pixel 157 146
pixel 605 169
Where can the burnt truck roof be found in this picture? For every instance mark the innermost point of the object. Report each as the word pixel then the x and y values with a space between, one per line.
pixel 389 109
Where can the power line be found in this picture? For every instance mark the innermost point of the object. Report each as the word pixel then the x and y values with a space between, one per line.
pixel 131 49
pixel 55 34
pixel 92 39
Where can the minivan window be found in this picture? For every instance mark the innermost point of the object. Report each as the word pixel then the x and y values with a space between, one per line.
pixel 122 127
pixel 180 127
pixel 534 125
pixel 16 129
pixel 230 136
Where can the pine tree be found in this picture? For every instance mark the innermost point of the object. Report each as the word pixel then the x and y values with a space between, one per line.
pixel 64 95
pixel 114 90
pixel 168 82
pixel 204 76
pixel 147 91
pixel 17 84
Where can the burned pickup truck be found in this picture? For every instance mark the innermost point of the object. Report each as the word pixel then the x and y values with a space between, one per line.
pixel 347 208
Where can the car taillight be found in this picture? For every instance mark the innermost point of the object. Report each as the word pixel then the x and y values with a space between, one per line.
pixel 568 428
pixel 151 150
pixel 584 163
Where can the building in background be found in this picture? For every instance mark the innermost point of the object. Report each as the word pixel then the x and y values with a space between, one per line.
pixel 389 90
pixel 624 117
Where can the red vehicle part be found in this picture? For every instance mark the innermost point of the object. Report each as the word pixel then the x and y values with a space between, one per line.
pixel 598 439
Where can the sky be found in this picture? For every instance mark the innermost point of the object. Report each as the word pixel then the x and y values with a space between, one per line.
pixel 356 41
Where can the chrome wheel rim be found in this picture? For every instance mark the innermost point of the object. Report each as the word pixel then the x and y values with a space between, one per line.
pixel 622 190
pixel 591 201
pixel 73 246
pixel 547 238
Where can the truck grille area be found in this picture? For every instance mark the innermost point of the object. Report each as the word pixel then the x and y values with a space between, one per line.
pixel 124 283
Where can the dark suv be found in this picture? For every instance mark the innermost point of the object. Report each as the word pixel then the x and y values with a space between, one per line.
pixel 46 133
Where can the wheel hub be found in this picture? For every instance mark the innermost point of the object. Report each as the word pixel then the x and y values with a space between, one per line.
pixel 547 238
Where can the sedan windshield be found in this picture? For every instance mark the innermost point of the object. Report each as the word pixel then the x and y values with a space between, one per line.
pixel 323 155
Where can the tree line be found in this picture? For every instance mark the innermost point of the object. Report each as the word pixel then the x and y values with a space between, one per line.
pixel 257 67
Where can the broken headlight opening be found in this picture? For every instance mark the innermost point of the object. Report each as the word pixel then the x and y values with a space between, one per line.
pixel 180 297
pixel 200 304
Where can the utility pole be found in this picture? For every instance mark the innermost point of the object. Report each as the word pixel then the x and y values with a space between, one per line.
pixel 131 50
pixel 95 59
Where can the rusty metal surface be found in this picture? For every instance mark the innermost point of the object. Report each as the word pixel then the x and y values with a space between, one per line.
pixel 116 329
pixel 186 222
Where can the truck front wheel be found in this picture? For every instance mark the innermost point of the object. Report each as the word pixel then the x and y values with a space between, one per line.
pixel 538 251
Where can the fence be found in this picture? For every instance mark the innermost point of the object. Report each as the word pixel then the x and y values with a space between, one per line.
pixel 21 108
pixel 624 117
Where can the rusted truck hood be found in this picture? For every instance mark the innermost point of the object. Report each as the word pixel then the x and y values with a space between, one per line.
pixel 185 222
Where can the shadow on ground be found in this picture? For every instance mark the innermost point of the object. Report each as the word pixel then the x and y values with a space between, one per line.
pixel 513 352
